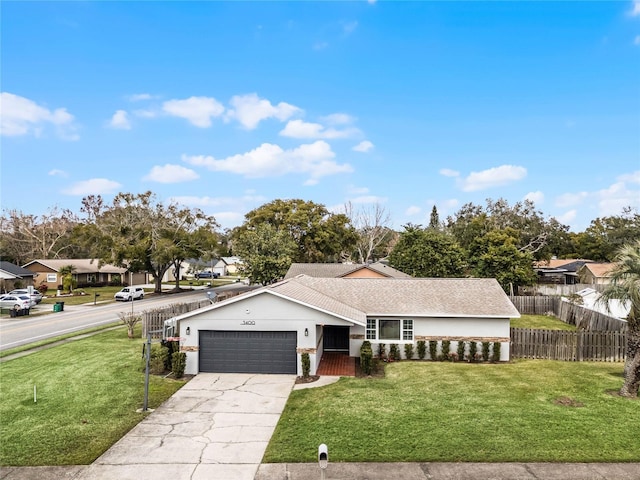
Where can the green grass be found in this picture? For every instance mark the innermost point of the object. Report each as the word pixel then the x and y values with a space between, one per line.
pixel 49 341
pixel 87 395
pixel 433 411
pixel 541 322
pixel 106 294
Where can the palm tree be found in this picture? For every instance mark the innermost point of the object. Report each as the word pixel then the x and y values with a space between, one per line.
pixel 625 286
pixel 66 272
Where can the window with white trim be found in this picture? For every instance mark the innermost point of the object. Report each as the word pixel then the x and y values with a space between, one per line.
pixel 52 278
pixel 383 329
pixel 371 329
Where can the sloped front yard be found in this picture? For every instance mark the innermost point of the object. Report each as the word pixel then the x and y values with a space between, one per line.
pixel 87 395
pixel 524 411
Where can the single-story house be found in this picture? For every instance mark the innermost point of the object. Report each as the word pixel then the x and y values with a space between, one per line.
pixel 268 329
pixel 559 271
pixel 595 273
pixel 87 271
pixel 344 270
pixel 11 274
pixel 227 266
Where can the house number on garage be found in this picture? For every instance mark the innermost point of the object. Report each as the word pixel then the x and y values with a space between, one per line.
pixel 248 322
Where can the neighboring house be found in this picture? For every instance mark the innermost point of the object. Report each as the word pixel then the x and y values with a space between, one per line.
pixel 10 274
pixel 344 270
pixel 595 273
pixel 267 330
pixel 560 271
pixel 86 271
pixel 227 266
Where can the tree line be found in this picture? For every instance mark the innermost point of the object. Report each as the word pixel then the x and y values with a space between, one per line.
pixel 139 232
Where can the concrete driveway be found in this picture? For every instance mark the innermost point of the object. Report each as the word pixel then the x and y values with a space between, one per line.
pixel 216 426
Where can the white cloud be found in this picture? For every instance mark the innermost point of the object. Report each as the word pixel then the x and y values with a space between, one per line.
pixel 21 116
pixel 636 41
pixel 269 160
pixel 447 172
pixel 567 217
pixel 206 201
pixel 635 10
pixel 93 186
pixel 146 113
pixel 349 27
pixel 612 200
pixel 535 197
pixel 120 120
pixel 493 177
pixel 352 189
pixel 571 199
pixel 250 110
pixel 58 173
pixel 338 119
pixel 171 174
pixel 197 110
pixel 412 211
pixel 137 97
pixel 363 146
pixel 302 129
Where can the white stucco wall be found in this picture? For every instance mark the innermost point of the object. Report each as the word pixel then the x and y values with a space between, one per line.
pixel 264 312
pixel 444 327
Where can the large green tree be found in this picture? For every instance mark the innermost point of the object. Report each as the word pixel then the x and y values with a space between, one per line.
pixel 427 253
pixel 535 234
pixel 319 235
pixel 605 235
pixel 138 232
pixel 497 255
pixel 266 253
pixel 625 286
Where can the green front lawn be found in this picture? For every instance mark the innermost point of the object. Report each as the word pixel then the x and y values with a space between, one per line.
pixel 525 411
pixel 87 395
pixel 544 322
pixel 105 294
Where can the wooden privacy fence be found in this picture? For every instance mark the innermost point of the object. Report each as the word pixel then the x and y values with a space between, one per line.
pixel 569 346
pixel 153 320
pixel 568 312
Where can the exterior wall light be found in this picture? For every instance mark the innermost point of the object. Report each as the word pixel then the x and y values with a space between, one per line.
pixel 306 332
pixel 188 331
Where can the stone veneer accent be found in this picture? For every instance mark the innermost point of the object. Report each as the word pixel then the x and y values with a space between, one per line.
pixel 307 350
pixel 189 348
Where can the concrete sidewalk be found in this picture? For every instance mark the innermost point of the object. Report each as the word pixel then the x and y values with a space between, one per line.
pixel 350 471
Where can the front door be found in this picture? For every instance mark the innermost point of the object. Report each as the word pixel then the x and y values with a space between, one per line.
pixel 336 339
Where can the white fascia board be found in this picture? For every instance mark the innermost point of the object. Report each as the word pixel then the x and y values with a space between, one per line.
pixel 438 315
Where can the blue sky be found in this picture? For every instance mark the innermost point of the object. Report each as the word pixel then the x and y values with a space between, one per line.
pixel 225 106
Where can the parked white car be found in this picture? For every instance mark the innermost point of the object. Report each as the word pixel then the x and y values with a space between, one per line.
pixel 16 302
pixel 36 296
pixel 130 294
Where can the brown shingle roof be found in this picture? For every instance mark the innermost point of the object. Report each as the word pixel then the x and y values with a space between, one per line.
pixel 335 270
pixel 420 297
pixel 82 265
pixel 600 269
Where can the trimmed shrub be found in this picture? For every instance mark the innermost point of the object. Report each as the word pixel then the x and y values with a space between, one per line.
pixel 473 350
pixel 394 352
pixel 408 351
pixel 460 349
pixel 422 349
pixel 382 351
pixel 433 349
pixel 446 349
pixel 485 351
pixel 496 352
pixel 366 358
pixel 306 364
pixel 178 364
pixel 157 360
pixel 43 288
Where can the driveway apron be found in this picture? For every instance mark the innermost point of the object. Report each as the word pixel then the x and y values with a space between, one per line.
pixel 216 426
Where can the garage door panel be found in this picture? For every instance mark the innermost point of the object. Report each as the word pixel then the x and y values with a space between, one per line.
pixel 248 352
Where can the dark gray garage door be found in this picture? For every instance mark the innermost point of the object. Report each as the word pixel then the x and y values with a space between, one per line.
pixel 248 352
